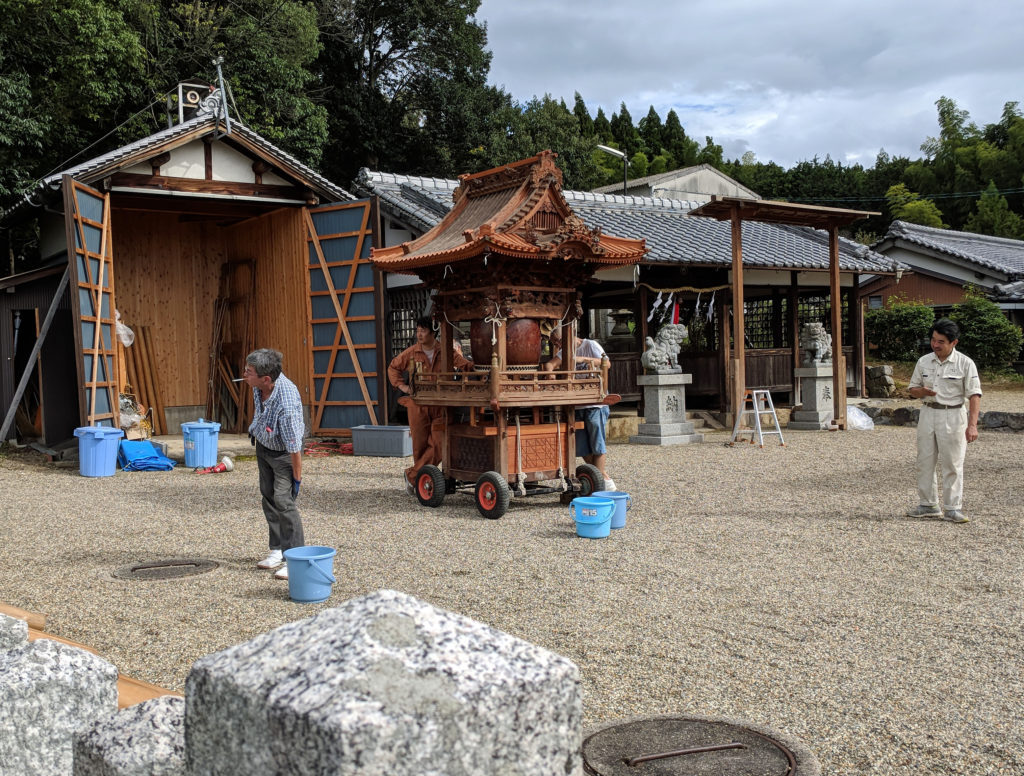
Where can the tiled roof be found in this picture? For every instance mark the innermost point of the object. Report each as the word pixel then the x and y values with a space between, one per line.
pixel 1009 292
pixel 672 236
pixel 139 149
pixel 996 253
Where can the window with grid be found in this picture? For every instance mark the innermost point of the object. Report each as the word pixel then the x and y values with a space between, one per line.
pixel 407 304
pixel 818 309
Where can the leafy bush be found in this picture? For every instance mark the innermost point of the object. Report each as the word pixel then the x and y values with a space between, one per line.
pixel 985 333
pixel 898 329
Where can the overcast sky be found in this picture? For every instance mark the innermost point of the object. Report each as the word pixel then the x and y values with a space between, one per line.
pixel 786 79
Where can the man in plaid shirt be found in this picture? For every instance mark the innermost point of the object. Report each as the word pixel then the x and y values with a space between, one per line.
pixel 276 430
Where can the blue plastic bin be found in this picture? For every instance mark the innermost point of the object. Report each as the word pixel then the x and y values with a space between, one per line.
pixel 310 573
pixel 200 443
pixel 97 450
pixel 623 503
pixel 593 516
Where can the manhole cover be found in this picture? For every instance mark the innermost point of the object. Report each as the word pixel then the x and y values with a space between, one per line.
pixel 671 746
pixel 171 568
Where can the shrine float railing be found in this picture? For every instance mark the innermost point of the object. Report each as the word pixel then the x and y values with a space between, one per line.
pixel 509 388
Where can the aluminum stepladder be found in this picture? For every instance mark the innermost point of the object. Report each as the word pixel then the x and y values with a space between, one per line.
pixel 760 402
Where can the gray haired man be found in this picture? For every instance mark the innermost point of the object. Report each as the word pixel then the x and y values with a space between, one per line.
pixel 276 430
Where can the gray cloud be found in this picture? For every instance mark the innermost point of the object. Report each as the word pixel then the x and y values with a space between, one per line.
pixel 788 79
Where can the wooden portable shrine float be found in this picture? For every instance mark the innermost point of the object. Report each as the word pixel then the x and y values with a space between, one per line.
pixel 507 261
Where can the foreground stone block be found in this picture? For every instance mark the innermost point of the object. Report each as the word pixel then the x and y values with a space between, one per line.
pixel 48 691
pixel 147 739
pixel 385 684
pixel 13 632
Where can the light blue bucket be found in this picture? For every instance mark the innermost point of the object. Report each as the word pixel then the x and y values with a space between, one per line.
pixel 593 516
pixel 623 503
pixel 97 450
pixel 310 573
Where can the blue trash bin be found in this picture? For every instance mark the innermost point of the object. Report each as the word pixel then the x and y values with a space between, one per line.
pixel 200 443
pixel 97 450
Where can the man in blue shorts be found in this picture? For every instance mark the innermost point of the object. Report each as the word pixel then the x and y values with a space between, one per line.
pixel 590 440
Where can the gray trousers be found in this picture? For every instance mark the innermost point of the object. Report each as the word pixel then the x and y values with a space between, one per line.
pixel 278 505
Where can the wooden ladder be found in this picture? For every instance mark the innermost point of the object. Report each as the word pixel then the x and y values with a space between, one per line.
pixel 760 402
pixel 231 341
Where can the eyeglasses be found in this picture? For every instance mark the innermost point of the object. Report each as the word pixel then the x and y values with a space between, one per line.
pixel 248 371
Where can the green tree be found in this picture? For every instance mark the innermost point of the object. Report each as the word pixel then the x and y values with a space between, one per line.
pixel 638 165
pixel 517 131
pixel 69 74
pixel 985 333
pixel 899 329
pixel 394 70
pixel 906 205
pixel 651 131
pixel 674 140
pixel 624 133
pixel 603 127
pixel 711 153
pixel 993 216
pixel 586 123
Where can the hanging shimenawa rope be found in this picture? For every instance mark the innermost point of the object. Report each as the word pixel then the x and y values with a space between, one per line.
pixel 686 288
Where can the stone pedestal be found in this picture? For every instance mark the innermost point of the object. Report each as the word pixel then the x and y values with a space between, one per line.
pixel 665 411
pixel 816 394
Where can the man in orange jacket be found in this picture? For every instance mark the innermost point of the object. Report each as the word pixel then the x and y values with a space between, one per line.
pixel 426 439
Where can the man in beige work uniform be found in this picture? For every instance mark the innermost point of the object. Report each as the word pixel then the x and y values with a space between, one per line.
pixel 947 380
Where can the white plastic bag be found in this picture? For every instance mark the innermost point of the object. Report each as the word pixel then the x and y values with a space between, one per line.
pixel 858 419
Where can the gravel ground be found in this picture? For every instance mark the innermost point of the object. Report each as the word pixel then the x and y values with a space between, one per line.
pixel 783 586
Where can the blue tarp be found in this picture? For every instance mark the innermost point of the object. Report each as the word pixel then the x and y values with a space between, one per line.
pixel 141 456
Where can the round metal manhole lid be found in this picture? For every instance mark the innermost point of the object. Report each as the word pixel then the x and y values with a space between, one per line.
pixel 170 568
pixel 672 746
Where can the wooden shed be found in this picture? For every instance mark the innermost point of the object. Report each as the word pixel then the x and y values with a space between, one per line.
pixel 210 241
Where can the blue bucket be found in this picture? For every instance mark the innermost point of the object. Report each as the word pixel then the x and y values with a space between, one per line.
pixel 200 443
pixel 623 503
pixel 593 516
pixel 97 450
pixel 310 573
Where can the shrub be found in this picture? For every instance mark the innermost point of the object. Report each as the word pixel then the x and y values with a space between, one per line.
pixel 898 329
pixel 985 333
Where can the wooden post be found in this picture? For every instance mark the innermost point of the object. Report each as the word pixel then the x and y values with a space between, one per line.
pixel 794 329
pixel 838 361
pixel 739 352
pixel 857 332
pixel 725 359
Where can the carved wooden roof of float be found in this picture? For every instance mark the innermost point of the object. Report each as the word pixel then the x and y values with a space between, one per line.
pixel 516 210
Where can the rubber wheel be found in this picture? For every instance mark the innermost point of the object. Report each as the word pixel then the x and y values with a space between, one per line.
pixel 590 477
pixel 430 486
pixel 492 495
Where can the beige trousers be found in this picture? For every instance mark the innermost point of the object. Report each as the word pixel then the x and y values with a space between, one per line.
pixel 941 441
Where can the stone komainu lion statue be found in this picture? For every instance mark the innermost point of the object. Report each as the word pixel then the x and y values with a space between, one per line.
pixel 816 343
pixel 663 351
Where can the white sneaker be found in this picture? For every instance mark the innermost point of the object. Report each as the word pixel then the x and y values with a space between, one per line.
pixel 281 573
pixel 609 483
pixel 272 561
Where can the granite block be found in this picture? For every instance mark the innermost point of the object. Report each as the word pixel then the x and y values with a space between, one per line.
pixel 13 632
pixel 147 739
pixel 49 692
pixel 384 684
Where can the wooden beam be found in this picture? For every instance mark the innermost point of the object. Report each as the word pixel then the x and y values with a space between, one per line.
pixel 857 332
pixel 739 350
pixel 197 186
pixel 794 330
pixel 838 361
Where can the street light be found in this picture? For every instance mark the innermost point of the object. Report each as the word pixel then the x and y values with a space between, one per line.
pixel 622 156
